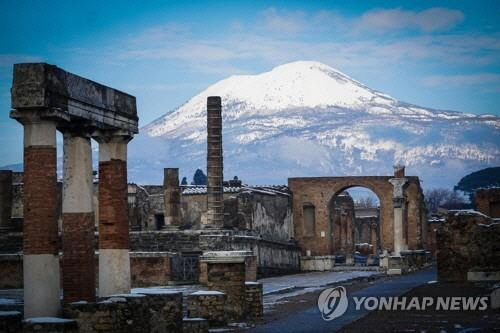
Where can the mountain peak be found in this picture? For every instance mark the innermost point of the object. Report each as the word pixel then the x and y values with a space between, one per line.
pixel 299 84
pixel 307 118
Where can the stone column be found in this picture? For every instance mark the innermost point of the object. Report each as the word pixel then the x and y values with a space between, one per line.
pixel 373 237
pixel 5 198
pixel 78 273
pixel 40 234
pixel 114 258
pixel 399 202
pixel 172 197
pixel 215 190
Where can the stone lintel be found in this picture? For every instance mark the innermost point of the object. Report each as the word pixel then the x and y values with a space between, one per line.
pixel 70 97
pixel 225 256
pixel 32 115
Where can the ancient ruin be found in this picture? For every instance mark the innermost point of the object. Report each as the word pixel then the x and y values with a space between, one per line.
pixel 468 242
pixel 221 237
pixel 46 98
pixel 402 214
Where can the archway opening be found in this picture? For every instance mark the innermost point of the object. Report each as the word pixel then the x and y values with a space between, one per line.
pixel 355 222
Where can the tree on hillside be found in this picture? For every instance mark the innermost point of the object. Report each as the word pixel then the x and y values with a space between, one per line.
pixel 199 178
pixel 489 177
pixel 184 181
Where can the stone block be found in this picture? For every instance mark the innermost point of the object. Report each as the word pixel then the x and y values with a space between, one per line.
pixel 150 268
pixel 254 299
pixel 49 325
pixel 194 325
pixel 11 321
pixel 209 305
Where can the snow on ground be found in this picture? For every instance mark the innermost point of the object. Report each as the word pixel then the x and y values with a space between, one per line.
pixel 277 289
pixel 307 280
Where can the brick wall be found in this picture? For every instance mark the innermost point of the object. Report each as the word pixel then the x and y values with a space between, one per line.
pixel 113 205
pixel 319 192
pixel 40 197
pixel 78 261
pixel 150 269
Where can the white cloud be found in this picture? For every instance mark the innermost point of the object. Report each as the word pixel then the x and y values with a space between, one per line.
pixel 286 21
pixel 429 20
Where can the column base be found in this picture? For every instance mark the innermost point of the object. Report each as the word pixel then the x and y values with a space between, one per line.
pixel 41 285
pixel 114 272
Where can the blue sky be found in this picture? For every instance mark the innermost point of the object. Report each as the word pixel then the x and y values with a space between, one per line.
pixel 440 54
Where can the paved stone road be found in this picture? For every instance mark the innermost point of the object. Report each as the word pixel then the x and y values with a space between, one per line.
pixel 310 320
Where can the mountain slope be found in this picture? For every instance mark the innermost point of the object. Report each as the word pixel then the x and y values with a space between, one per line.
pixel 306 118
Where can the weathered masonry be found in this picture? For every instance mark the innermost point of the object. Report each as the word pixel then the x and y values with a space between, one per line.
pixel 402 213
pixel 46 98
pixel 215 193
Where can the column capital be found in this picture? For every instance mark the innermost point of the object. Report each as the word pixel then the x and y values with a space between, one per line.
pixel 112 136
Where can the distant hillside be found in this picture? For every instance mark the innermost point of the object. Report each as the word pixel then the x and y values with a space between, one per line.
pixel 308 119
pixel 485 178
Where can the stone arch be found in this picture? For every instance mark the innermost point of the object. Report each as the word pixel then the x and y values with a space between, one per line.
pixel 337 233
pixel 319 191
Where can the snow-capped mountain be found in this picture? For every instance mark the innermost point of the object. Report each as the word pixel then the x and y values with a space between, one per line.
pixel 307 119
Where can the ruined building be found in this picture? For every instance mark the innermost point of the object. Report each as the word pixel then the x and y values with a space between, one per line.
pixel 108 235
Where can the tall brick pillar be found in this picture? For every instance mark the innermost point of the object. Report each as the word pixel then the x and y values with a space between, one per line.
pixel 172 197
pixel 399 201
pixel 114 258
pixel 5 198
pixel 78 273
pixel 40 239
pixel 215 190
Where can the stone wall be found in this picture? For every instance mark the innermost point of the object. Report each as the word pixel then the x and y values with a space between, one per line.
pixel 147 269
pixel 488 201
pixel 230 279
pixel 208 305
pixel 273 258
pixel 11 321
pixel 467 241
pixel 264 210
pixel 153 312
pixel 194 325
pixel 11 242
pixel 150 268
pixel 151 251
pixel 254 299
pixel 11 274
